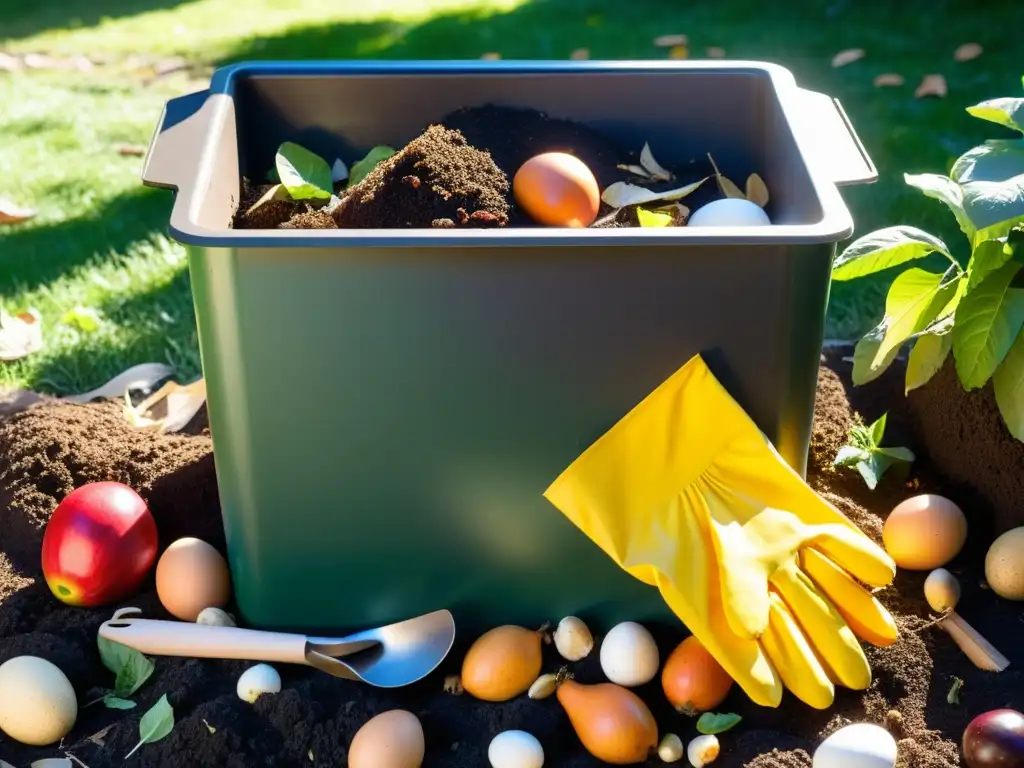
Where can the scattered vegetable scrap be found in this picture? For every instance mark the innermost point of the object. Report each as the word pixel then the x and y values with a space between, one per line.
pixel 580 54
pixel 671 41
pixel 967 52
pixel 848 56
pixel 179 405
pixel 931 85
pixel 889 80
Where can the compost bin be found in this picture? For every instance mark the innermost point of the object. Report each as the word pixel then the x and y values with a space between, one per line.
pixel 388 406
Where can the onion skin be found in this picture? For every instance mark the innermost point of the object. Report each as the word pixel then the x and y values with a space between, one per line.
pixel 613 723
pixel 995 739
pixel 502 663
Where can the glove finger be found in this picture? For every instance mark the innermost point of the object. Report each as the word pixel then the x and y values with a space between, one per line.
pixel 853 551
pixel 787 648
pixel 861 610
pixel 744 660
pixel 743 578
pixel 824 627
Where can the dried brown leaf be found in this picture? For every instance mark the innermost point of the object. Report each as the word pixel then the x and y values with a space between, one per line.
pixel 671 41
pixel 652 166
pixel 580 54
pixel 889 80
pixel 492 56
pixel 131 150
pixel 12 213
pixel 679 52
pixel 634 169
pixel 932 85
pixel 99 738
pixel 757 190
pixel 968 51
pixel 714 52
pixel 848 56
pixel 729 189
pixel 179 405
pixel 620 194
pixel 20 335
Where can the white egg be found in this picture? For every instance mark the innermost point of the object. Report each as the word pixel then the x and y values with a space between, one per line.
pixel 256 681
pixel 861 745
pixel 515 749
pixel 729 212
pixel 38 705
pixel 629 655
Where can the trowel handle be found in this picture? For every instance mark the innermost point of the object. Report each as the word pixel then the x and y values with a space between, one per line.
pixel 180 638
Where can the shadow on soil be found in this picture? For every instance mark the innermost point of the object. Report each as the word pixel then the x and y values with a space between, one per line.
pixel 26 19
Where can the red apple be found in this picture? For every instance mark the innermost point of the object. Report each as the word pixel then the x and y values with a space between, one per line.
pixel 99 544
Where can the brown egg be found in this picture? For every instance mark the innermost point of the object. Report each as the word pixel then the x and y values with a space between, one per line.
pixel 392 739
pixel 557 189
pixel 191 575
pixel 924 532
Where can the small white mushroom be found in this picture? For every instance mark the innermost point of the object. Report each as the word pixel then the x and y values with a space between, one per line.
pixel 256 681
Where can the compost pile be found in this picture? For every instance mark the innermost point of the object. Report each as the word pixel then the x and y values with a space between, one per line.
pixel 52 448
pixel 457 173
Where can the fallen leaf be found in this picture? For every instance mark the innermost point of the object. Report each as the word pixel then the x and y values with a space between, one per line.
pixel 131 150
pixel 11 213
pixel 679 52
pixel 83 318
pixel 729 189
pixel 339 171
pixel 757 191
pixel 931 85
pixel 714 52
pixel 888 79
pixel 490 56
pixel 180 405
pixel 209 727
pixel 141 376
pixel 848 56
pixel 635 169
pixel 98 738
pixel 653 218
pixel 620 194
pixel 652 166
pixel 580 54
pixel 20 335
pixel 968 51
pixel 670 41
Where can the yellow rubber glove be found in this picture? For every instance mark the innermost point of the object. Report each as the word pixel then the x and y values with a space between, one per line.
pixel 686 494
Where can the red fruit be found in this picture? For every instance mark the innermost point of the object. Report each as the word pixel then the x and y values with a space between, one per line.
pixel 99 544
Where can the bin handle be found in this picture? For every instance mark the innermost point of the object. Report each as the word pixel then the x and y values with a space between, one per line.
pixel 830 142
pixel 173 155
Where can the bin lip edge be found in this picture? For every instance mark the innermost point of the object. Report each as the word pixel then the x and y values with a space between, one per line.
pixel 835 225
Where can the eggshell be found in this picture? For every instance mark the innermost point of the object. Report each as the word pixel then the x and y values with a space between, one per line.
pixel 924 532
pixel 861 745
pixel 392 739
pixel 1004 565
pixel 557 189
pixel 515 749
pixel 191 575
pixel 729 212
pixel 38 705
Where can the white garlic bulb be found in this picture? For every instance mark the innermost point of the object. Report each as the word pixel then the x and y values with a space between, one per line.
pixel 573 639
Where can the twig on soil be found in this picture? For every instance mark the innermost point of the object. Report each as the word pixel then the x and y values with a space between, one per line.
pixel 935 622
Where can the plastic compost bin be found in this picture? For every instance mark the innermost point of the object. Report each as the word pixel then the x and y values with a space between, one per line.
pixel 388 406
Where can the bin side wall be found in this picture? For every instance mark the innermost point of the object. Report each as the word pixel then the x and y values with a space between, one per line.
pixel 386 420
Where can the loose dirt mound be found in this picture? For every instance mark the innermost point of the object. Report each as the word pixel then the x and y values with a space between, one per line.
pixel 52 448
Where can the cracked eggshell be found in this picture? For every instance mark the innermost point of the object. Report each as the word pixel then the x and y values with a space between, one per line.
pixel 861 745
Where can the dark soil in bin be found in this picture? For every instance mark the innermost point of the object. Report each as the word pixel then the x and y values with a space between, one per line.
pixel 458 174
pixel 48 450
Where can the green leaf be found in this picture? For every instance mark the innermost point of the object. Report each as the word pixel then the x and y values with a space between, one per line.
pixel 849 455
pixel 865 369
pixel 360 169
pixel 883 249
pixel 986 259
pixel 83 318
pixel 948 191
pixel 653 218
pixel 131 667
pixel 926 358
pixel 899 454
pixel 995 160
pixel 993 207
pixel 987 323
pixel 155 724
pixel 869 470
pixel 915 299
pixel 115 702
pixel 1008 383
pixel 878 429
pixel 304 174
pixel 712 722
pixel 1007 112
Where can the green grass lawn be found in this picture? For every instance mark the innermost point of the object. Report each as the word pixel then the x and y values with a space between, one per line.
pixel 98 241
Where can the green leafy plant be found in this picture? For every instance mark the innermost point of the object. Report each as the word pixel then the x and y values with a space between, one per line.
pixel 864 452
pixel 304 174
pixel 131 668
pixel 157 723
pixel 362 167
pixel 975 312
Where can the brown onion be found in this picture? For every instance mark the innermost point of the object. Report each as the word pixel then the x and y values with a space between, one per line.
pixel 995 739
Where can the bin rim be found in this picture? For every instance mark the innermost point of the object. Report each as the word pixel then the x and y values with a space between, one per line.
pixel 836 223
